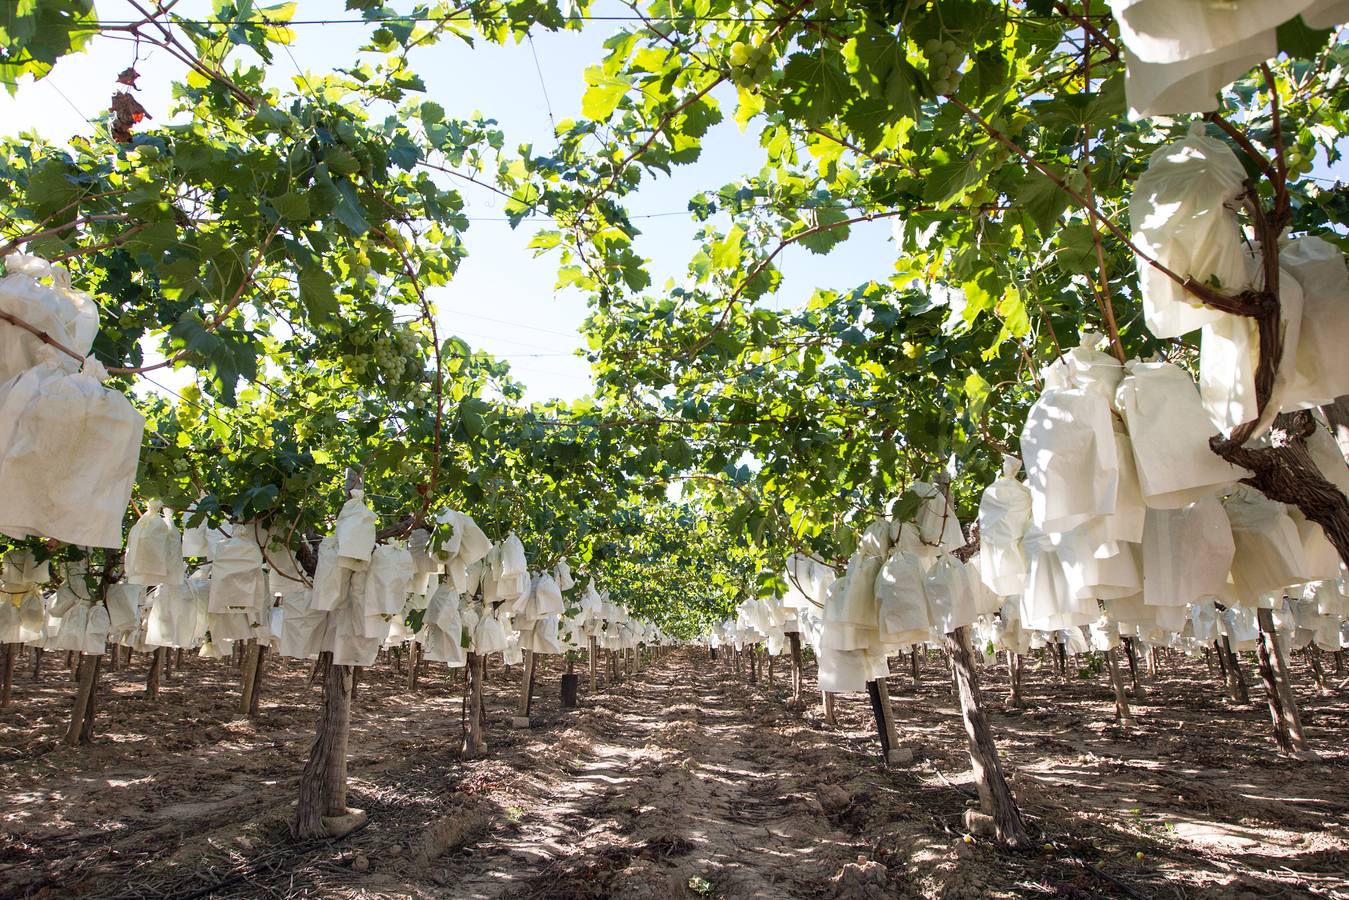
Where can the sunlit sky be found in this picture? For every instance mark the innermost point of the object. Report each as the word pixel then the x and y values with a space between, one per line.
pixel 502 299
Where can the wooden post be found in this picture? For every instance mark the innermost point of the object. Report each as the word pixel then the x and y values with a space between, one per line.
pixel 11 651
pixel 1313 654
pixel 322 808
pixel 1014 669
pixel 414 657
pixel 592 664
pixel 116 652
pixel 1152 662
pixel 798 669
pixel 1122 714
pixel 526 686
pixel 91 707
pixel 995 797
pixel 830 718
pixel 1282 704
pixel 156 670
pixel 81 727
pixel 915 668
pixel 255 701
pixel 473 741
pixel 248 672
pixel 1237 690
pixel 881 708
pixel 1140 692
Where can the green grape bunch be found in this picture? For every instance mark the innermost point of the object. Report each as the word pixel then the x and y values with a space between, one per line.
pixel 944 61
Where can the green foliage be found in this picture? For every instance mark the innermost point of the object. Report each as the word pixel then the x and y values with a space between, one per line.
pixel 279 246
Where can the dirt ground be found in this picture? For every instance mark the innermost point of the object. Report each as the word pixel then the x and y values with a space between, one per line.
pixel 682 781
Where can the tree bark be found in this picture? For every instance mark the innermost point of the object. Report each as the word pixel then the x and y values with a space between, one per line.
pixel 11 651
pixel 1313 654
pixel 1140 692
pixel 38 654
pixel 1282 704
pixel 1014 669
pixel 414 657
pixel 1284 471
pixel 91 706
pixel 81 727
pixel 830 718
pixel 915 669
pixel 884 712
pixel 593 664
pixel 1122 714
pixel 255 701
pixel 995 797
pixel 323 781
pixel 156 670
pixel 526 685
pixel 248 673
pixel 1237 690
pixel 798 673
pixel 473 742
pixel 753 663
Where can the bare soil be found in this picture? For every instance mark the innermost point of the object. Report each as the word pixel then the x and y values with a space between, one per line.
pixel 682 781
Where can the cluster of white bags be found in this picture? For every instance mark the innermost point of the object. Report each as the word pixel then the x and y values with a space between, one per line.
pixel 1116 459
pixel 1125 506
pixel 1182 215
pixel 154 549
pixel 68 446
pixel 1179 54
pixel 23 614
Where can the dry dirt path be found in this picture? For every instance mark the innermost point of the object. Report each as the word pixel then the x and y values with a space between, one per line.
pixel 682 781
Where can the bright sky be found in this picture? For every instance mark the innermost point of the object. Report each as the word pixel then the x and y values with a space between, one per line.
pixel 503 298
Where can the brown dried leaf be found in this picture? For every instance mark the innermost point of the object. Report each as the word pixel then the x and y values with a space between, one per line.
pixel 127 113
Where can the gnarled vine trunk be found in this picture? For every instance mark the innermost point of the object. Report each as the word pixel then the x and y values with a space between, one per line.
pixel 995 797
pixel 322 808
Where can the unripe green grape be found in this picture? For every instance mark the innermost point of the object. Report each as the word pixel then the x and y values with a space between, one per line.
pixel 931 46
pixel 739 53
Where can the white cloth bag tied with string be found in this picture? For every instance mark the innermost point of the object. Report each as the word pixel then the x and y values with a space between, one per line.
pixel 1179 54
pixel 1187 553
pixel 154 549
pixel 1068 443
pixel 1004 516
pixel 1269 554
pixel 1169 434
pixel 237 576
pixel 39 294
pixel 69 448
pixel 1321 367
pixel 1181 216
pixel 355 532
